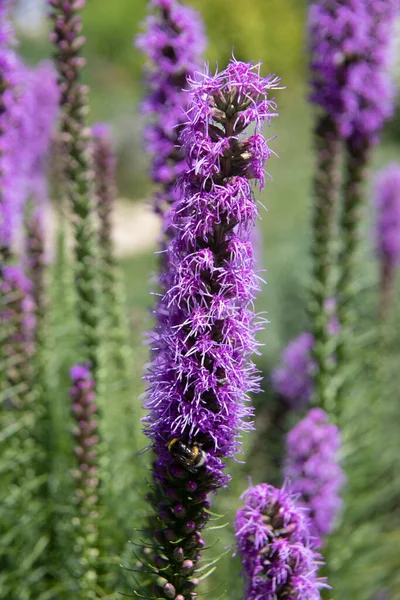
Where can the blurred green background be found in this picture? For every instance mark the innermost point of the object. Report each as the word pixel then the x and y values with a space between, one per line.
pixel 272 31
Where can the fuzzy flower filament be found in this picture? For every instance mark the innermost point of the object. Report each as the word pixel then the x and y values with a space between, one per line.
pixel 387 232
pixel 201 373
pixel 66 36
pixel 312 467
pixel 84 410
pixel 272 535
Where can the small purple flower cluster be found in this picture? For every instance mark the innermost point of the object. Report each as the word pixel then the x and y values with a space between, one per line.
pixel 314 472
pixel 387 204
pixel 17 325
pixel 350 57
pixel 293 379
pixel 173 43
pixel 84 409
pixel 201 374
pixel 272 535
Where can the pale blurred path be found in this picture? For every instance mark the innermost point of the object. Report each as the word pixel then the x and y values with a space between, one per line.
pixel 136 228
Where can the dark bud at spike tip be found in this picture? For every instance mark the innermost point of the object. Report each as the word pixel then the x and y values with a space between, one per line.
pixel 191 486
pixel 179 511
pixel 169 591
pixel 189 527
pixel 159 536
pixel 187 566
pixel 178 555
pixel 192 584
pixel 171 535
pixel 160 562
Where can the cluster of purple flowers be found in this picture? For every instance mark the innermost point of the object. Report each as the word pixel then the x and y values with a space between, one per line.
pixel 201 374
pixel 350 58
pixel 173 43
pixel 272 535
pixel 312 467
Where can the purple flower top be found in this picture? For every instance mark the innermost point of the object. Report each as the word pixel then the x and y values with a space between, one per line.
pixel 315 475
pixel 173 44
pixel 351 50
pixel 201 372
pixel 387 204
pixel 293 379
pixel 272 534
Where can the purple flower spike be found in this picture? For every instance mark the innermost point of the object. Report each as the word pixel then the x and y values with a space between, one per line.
pixel 173 44
pixel 17 324
pixel 272 535
pixel 315 474
pixel 387 202
pixel 84 410
pixel 387 232
pixel 201 374
pixel 293 379
pixel 350 56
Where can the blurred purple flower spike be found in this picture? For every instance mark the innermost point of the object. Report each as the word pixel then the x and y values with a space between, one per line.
pixel 273 539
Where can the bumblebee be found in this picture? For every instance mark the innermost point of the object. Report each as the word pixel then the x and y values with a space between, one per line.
pixel 191 457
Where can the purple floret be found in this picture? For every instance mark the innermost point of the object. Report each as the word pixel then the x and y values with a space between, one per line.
pixel 313 469
pixel 293 379
pixel 351 52
pixel 387 203
pixel 272 535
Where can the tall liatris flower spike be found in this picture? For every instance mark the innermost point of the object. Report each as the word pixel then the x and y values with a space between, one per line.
pixel 273 540
pixel 84 409
pixel 106 195
pixel 312 467
pixel 387 234
pixel 68 40
pixel 45 95
pixel 350 54
pixel 173 44
pixel 200 375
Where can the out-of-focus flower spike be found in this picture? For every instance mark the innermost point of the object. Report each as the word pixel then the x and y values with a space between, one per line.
pixel 84 409
pixel 106 195
pixel 312 467
pixel 387 232
pixel 76 137
pixel 273 539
